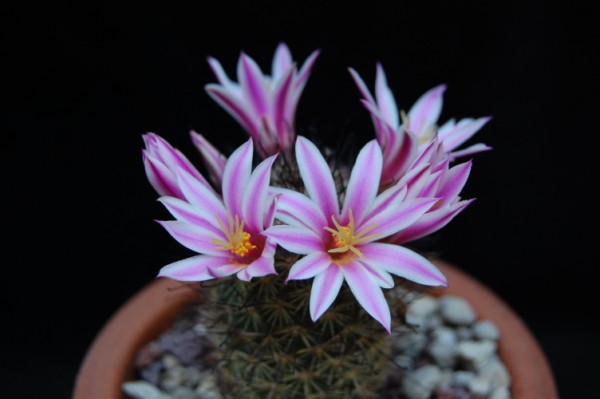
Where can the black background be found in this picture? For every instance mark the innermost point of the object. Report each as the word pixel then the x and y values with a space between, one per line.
pixel 82 84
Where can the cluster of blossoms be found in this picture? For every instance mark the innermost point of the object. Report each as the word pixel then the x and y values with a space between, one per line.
pixel 404 185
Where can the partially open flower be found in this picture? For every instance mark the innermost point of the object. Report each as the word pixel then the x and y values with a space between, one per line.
pixel 227 231
pixel 348 245
pixel 265 106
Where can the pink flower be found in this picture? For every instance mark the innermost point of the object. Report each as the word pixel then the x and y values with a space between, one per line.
pixel 226 232
pixel 161 161
pixel 346 246
pixel 400 147
pixel 432 176
pixel 265 106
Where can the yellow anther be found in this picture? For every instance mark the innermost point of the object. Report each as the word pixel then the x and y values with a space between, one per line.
pixel 238 241
pixel 345 238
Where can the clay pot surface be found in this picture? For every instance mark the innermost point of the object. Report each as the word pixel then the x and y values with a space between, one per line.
pixel 109 360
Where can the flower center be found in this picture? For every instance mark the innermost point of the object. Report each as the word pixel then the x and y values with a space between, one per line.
pixel 238 241
pixel 345 238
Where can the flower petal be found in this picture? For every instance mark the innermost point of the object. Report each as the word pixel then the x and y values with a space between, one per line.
pixel 426 110
pixel 235 178
pixel 464 130
pixel 397 218
pixel 430 222
pixel 185 212
pixel 309 266
pixel 316 176
pixel 298 240
pixel 202 198
pixel 385 98
pixel 325 288
pixel 454 181
pixel 298 210
pixel 252 82
pixel 254 204
pixel 213 159
pixel 364 182
pixel 193 237
pixel 195 268
pixel 474 149
pixel 367 293
pixel 404 263
pixel 378 274
pixel 235 106
pixel 282 61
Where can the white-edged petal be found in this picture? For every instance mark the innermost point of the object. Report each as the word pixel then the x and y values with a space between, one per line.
pixel 195 268
pixel 325 289
pixel 309 266
pixel 367 293
pixel 298 240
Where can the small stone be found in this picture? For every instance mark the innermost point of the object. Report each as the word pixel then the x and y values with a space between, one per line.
pixel 410 342
pixel 420 309
pixel 456 310
pixel 143 390
pixel 183 393
pixel 462 377
pixel 480 386
pixel 464 333
pixel 486 329
pixel 443 347
pixel 173 377
pixel 496 372
pixel 500 393
pixel 420 383
pixel 434 321
pixel 476 353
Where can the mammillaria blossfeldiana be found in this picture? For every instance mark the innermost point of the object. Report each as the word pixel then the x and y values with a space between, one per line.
pixel 264 105
pixel 345 246
pixel 305 253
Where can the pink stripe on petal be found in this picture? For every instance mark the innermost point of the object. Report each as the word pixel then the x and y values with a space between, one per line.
pixel 254 204
pixel 305 71
pixel 364 182
pixel 463 131
pixel 283 126
pixel 160 177
pixel 430 222
pixel 213 159
pixel 362 87
pixel 226 269
pixel 325 289
pixel 299 210
pixel 309 266
pixel 404 263
pixel 252 82
pixel 474 149
pixel 454 181
pixel 394 219
pixel 385 99
pixel 271 210
pixel 200 196
pixel 193 237
pixel 316 176
pixel 390 197
pixel 401 157
pixel 220 74
pixel 261 267
pixel 185 212
pixel 295 239
pixel 368 293
pixel 235 178
pixel 426 110
pixel 235 108
pixel 378 274
pixel 195 268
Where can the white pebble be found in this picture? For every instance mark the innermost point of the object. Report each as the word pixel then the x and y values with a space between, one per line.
pixel 456 310
pixel 419 309
pixel 420 383
pixel 443 347
pixel 476 353
pixel 143 390
pixel 496 372
pixel 486 329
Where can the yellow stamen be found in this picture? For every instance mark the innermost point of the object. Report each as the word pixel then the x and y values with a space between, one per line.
pixel 345 238
pixel 238 241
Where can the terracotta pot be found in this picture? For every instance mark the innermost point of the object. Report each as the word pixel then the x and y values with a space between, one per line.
pixel 109 361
